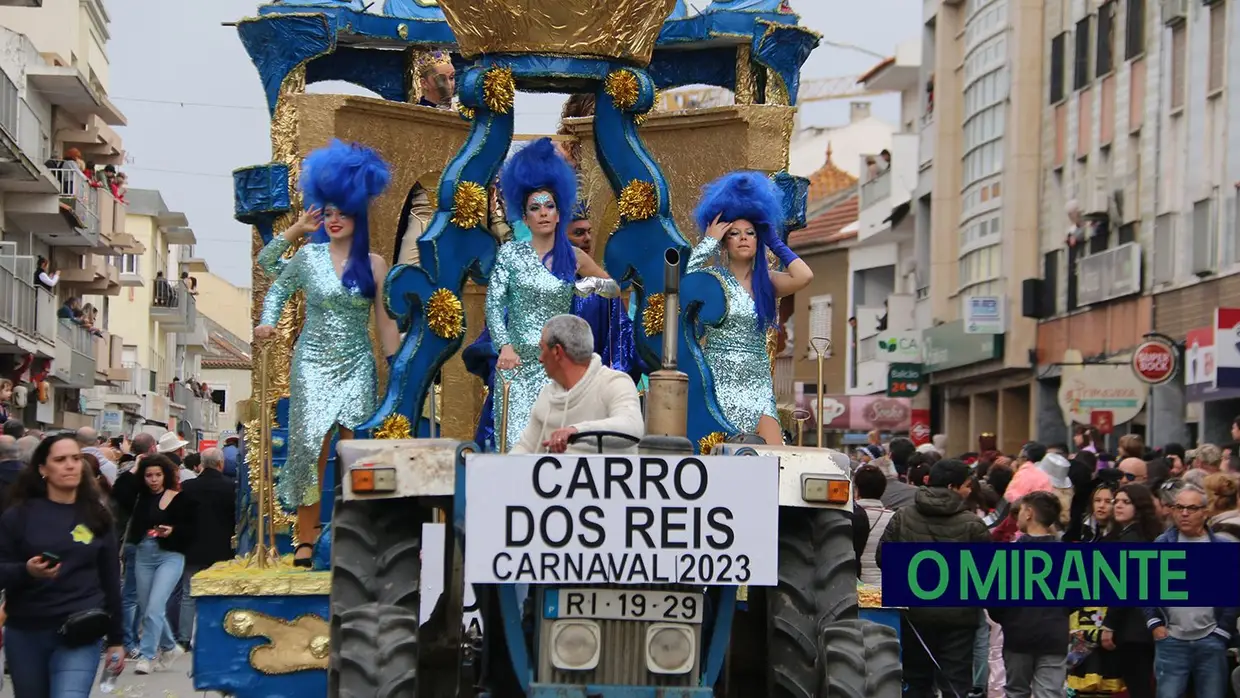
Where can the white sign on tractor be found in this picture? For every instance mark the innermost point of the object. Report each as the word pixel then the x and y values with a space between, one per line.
pixel 601 519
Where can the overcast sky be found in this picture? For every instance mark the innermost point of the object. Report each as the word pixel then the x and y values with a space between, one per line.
pixel 196 112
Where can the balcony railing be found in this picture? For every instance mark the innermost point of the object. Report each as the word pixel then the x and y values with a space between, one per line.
pixel 75 190
pixel 876 189
pixel 74 364
pixel 173 306
pixel 10 105
pixel 30 136
pixel 17 293
pixel 136 385
pixel 45 315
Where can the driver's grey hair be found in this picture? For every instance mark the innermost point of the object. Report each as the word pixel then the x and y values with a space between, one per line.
pixel 572 333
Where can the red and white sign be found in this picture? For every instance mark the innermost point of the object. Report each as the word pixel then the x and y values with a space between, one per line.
pixel 1102 420
pixel 1227 347
pixel 1154 362
pixel 1199 357
pixel 204 444
pixel 919 432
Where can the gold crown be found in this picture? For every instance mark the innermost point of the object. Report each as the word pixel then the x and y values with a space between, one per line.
pixel 625 30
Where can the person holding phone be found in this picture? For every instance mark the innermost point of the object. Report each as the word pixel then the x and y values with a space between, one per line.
pixel 161 528
pixel 60 572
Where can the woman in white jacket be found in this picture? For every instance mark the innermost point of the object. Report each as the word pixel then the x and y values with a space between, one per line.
pixel 583 395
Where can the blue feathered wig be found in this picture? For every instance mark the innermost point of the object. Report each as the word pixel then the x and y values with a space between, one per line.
pixel 540 167
pixel 348 176
pixel 755 198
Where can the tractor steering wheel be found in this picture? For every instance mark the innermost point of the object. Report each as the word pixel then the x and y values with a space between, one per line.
pixel 600 435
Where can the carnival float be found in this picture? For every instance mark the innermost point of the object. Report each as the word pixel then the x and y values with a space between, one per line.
pixel 350 619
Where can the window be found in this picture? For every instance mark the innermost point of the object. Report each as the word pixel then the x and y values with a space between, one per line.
pixel 1179 61
pixel 1134 30
pixel 1164 249
pixel 1098 240
pixel 1050 286
pixel 1080 67
pixel 1127 233
pixel 1204 237
pixel 1106 37
pixel 1218 47
pixel 220 397
pixel 1074 254
pixel 128 263
pixel 819 324
pixel 1058 44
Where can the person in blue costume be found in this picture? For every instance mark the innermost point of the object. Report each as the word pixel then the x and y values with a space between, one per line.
pixel 333 382
pixel 534 281
pixel 612 325
pixel 742 217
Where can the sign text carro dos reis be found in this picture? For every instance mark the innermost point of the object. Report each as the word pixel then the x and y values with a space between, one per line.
pixel 1061 574
pixel 601 519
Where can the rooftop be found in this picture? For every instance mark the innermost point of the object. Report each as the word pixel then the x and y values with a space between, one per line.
pixel 832 226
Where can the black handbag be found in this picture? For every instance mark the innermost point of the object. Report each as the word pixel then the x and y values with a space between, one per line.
pixel 85 627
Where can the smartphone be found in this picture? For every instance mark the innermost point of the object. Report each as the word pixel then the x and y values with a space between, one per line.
pixel 50 558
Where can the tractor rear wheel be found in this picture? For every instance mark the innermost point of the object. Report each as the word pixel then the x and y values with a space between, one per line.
pixel 375 597
pixel 861 659
pixel 817 586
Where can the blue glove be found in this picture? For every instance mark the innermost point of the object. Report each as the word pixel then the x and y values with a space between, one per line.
pixel 779 247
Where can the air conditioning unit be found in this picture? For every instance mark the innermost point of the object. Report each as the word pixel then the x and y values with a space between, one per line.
pixel 1174 11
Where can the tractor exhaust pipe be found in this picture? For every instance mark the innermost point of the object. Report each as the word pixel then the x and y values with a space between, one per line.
pixel 667 401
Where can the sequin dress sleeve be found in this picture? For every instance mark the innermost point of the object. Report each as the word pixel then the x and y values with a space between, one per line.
pixel 271 258
pixel 702 252
pixel 497 298
pixel 285 285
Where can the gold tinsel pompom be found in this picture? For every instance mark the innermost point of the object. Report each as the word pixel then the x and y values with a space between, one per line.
pixel 623 88
pixel 707 443
pixel 395 426
pixel 638 200
pixel 640 119
pixel 499 89
pixel 469 205
pixel 652 316
pixel 467 113
pixel 444 314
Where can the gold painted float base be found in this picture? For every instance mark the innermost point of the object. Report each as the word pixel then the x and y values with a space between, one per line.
pixel 299 645
pixel 243 577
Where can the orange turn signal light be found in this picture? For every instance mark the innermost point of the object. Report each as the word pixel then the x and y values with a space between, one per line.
pixel 362 479
pixel 837 491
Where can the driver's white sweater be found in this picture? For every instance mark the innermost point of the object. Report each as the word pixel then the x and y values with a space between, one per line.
pixel 603 400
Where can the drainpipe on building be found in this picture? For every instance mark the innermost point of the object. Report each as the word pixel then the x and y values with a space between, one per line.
pixel 1151 404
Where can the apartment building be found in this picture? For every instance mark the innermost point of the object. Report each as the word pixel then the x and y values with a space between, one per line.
pixel 1196 230
pixel 978 186
pixel 226 369
pixel 1100 141
pixel 53 99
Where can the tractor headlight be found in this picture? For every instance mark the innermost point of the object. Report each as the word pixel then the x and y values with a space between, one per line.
pixel 670 649
pixel 575 645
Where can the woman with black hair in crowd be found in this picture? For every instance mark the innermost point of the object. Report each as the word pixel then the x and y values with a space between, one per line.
pixel 161 527
pixel 1135 520
pixel 60 571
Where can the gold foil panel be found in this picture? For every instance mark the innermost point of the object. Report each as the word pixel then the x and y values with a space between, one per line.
pixel 620 29
pixel 303 644
pixel 241 578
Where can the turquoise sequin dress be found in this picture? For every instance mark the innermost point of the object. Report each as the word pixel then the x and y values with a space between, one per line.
pixel 333 377
pixel 521 284
pixel 735 351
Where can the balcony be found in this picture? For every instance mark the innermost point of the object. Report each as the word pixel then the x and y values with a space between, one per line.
pixel 67 88
pixel 18 299
pixel 886 198
pixel 196 341
pixel 173 307
pixel 109 365
pixel 91 135
pixel 21 159
pixel 926 140
pixel 70 220
pixel 74 364
pixel 89 274
pixel 129 391
pixel 199 411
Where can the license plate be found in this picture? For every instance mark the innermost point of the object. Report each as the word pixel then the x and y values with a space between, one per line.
pixel 623 604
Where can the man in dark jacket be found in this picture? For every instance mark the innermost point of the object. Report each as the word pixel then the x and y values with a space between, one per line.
pixel 214 495
pixel 1035 639
pixel 898 494
pixel 938 515
pixel 11 465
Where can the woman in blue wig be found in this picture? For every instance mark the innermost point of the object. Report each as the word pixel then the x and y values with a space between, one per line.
pixel 333 382
pixel 534 280
pixel 742 216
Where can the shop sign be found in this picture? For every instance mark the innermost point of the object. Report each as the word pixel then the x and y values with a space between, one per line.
pixel 948 346
pixel 1103 421
pixel 864 412
pixel 1227 347
pixel 903 380
pixel 204 444
pixel 1154 362
pixel 1111 387
pixel 899 346
pixel 984 315
pixel 919 432
pixel 1199 357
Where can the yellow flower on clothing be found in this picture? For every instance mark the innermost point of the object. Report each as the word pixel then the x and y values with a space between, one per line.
pixel 82 534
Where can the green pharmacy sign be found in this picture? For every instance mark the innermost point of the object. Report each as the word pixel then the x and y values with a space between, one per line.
pixel 903 380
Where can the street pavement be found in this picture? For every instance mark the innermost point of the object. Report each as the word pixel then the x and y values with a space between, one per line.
pixel 173 683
